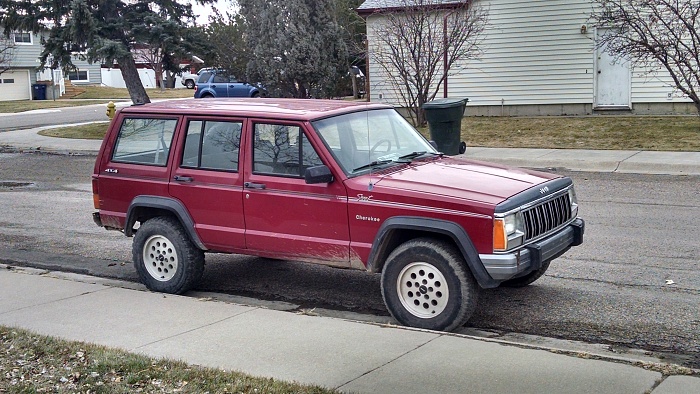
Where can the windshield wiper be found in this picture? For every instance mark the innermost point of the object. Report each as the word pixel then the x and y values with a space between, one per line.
pixel 372 164
pixel 407 158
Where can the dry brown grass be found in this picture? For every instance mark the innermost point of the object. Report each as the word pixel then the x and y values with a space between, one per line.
pixel 104 92
pixel 664 133
pixel 667 133
pixel 31 363
pixel 28 105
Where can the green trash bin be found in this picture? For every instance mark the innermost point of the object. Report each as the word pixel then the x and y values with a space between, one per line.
pixel 445 122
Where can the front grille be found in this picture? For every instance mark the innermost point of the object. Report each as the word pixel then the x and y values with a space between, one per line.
pixel 546 216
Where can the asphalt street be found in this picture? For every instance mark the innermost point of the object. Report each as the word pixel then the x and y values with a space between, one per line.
pixel 53 116
pixel 634 283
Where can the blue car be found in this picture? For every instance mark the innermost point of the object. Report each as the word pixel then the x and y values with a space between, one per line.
pixel 216 83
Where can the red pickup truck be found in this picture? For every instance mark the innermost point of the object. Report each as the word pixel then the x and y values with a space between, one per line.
pixel 331 182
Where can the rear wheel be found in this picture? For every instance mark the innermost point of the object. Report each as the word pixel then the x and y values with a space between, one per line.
pixel 527 279
pixel 189 84
pixel 426 284
pixel 165 258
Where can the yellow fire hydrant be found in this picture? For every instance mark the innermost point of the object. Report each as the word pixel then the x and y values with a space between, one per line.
pixel 111 109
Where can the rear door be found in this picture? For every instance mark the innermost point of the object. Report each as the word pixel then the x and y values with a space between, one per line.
pixel 207 180
pixel 219 84
pixel 285 217
pixel 237 89
pixel 138 165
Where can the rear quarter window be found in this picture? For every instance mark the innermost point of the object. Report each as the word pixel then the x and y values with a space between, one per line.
pixel 144 141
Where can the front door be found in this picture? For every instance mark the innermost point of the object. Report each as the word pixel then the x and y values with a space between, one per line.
pixel 206 179
pixel 285 216
pixel 613 80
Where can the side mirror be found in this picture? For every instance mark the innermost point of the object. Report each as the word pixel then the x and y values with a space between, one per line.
pixel 318 174
pixel 433 144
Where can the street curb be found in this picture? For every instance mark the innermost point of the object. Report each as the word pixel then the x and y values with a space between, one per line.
pixel 659 366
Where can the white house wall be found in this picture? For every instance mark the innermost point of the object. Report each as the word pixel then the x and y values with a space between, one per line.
pixel 113 77
pixel 535 54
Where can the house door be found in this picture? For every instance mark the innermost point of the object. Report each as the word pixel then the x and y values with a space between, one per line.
pixel 613 80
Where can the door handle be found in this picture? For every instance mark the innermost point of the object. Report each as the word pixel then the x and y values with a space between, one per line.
pixel 251 185
pixel 180 178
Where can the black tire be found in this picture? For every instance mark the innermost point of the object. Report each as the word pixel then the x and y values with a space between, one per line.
pixel 255 95
pixel 527 279
pixel 189 84
pixel 165 258
pixel 207 96
pixel 424 264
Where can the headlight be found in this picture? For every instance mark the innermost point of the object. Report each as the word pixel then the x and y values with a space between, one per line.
pixel 508 232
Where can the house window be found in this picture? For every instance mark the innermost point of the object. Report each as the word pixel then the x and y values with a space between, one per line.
pixel 8 80
pixel 22 38
pixel 78 76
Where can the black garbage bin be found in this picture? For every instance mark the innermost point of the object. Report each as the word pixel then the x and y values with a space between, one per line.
pixel 445 122
pixel 39 91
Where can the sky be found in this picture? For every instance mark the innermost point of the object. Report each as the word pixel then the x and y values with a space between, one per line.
pixel 203 12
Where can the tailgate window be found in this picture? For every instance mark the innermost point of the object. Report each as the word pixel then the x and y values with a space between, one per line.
pixel 144 141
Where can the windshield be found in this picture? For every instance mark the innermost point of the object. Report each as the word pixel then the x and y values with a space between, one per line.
pixel 363 140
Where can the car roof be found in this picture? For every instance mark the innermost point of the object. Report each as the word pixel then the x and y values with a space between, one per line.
pixel 289 109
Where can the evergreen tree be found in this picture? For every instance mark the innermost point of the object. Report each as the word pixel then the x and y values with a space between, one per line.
pixel 297 46
pixel 99 30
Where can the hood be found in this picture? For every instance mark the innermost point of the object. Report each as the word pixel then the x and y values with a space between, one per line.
pixel 458 178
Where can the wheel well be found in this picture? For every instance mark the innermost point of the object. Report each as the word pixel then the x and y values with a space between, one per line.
pixel 398 236
pixel 142 214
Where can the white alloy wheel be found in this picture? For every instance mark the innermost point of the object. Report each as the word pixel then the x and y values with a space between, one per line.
pixel 160 258
pixel 422 290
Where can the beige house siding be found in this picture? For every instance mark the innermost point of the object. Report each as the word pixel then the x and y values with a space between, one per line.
pixel 535 55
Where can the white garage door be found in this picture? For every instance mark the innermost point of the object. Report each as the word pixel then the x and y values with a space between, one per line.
pixel 14 85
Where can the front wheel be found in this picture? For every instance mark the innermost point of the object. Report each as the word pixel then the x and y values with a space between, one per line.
pixel 189 84
pixel 165 258
pixel 426 284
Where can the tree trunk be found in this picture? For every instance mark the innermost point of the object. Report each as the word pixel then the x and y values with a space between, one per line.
pixel 138 95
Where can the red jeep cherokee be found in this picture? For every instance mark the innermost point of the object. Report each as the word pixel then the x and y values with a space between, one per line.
pixel 331 182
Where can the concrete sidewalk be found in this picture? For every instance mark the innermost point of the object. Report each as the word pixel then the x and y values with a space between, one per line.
pixel 346 355
pixel 622 161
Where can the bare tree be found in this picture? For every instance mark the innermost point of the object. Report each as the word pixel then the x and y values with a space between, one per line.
pixel 420 43
pixel 7 53
pixel 654 35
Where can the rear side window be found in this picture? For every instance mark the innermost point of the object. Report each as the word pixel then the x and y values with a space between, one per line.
pixel 144 141
pixel 204 78
pixel 212 145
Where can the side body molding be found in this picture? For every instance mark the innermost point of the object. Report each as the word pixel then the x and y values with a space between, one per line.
pixel 163 203
pixel 429 225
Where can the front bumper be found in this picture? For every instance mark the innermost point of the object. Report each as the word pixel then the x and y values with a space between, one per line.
pixel 502 267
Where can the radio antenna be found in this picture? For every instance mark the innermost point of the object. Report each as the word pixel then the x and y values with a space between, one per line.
pixel 369 149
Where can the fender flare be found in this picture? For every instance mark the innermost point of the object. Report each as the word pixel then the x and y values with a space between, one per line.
pixel 167 204
pixel 443 227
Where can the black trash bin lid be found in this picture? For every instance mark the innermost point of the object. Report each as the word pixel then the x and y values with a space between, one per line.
pixel 445 103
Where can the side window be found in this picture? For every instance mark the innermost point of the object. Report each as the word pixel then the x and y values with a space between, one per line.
pixel 212 145
pixel 282 150
pixel 144 141
pixel 218 78
pixel 204 78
